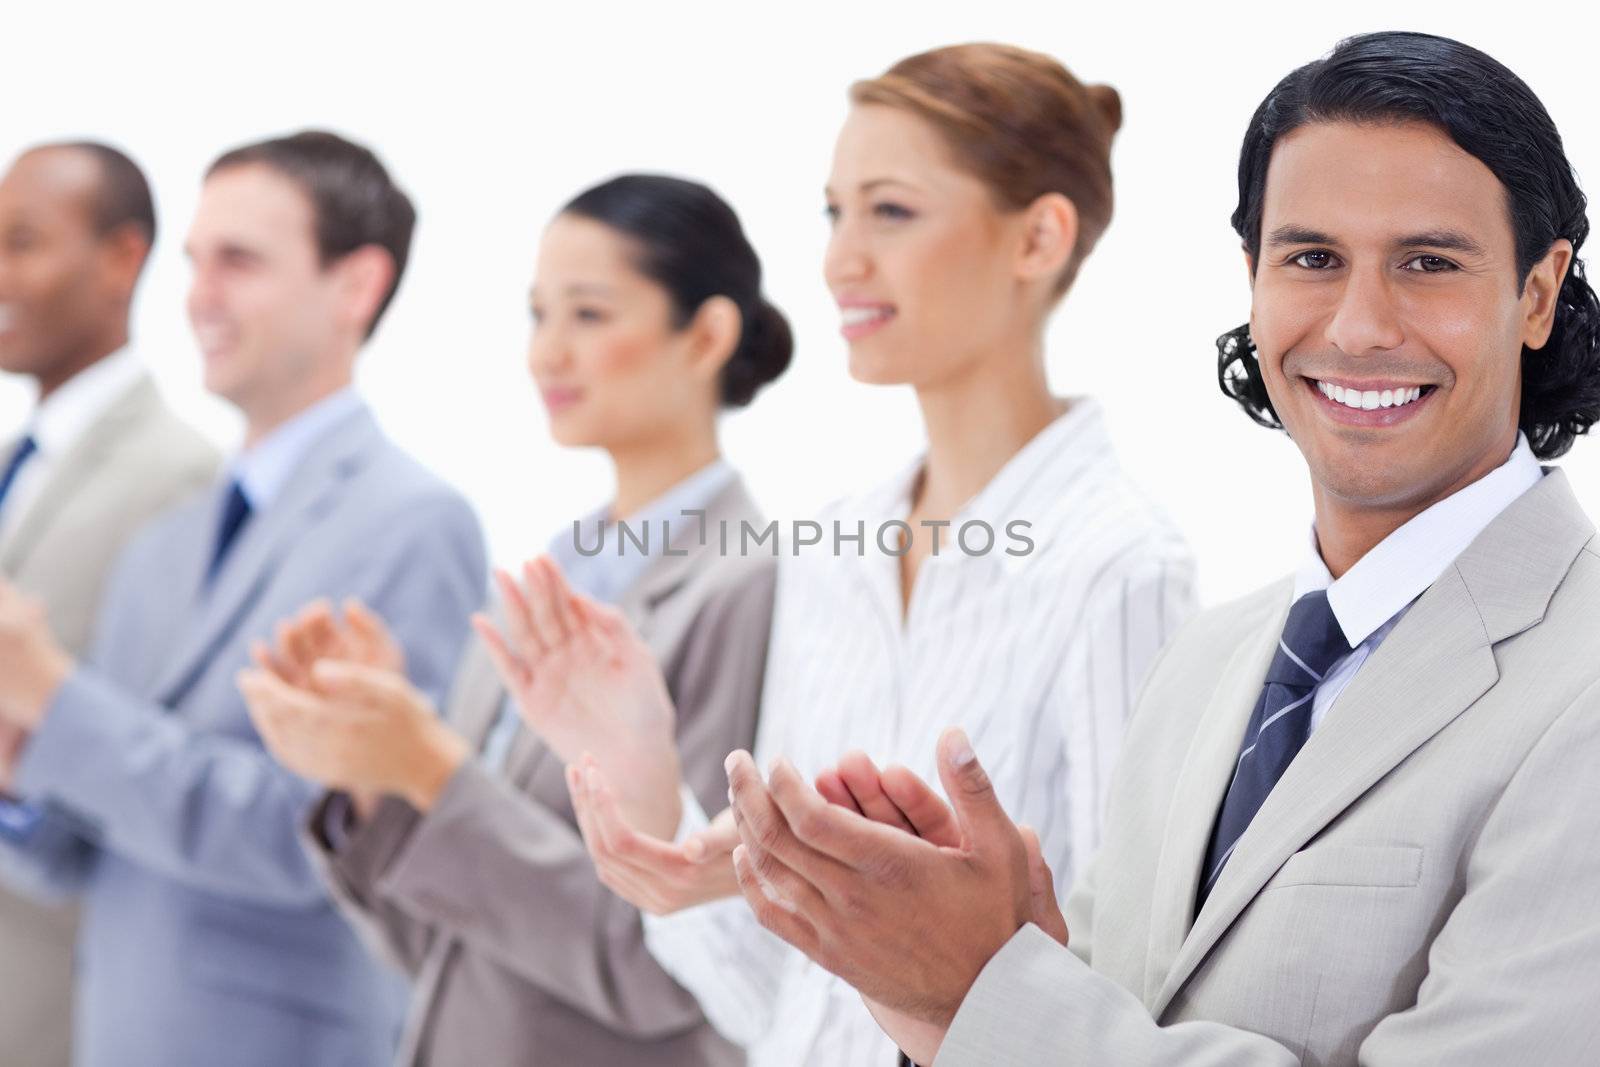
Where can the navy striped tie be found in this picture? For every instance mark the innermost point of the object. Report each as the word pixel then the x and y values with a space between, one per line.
pixel 1311 643
pixel 25 448
pixel 236 511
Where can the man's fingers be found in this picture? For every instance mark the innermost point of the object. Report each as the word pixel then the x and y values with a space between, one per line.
pixel 1042 887
pixel 931 818
pixel 372 633
pixel 772 910
pixel 861 776
pixel 984 824
pixel 362 685
pixel 784 821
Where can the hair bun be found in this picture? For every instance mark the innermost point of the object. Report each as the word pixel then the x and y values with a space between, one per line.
pixel 1109 101
pixel 765 348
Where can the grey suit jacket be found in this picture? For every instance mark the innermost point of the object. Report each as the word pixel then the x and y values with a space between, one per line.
pixel 208 937
pixel 520 955
pixel 136 460
pixel 1421 887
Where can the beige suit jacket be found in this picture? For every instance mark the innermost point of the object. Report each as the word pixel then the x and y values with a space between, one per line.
pixel 490 902
pixel 1421 887
pixel 133 462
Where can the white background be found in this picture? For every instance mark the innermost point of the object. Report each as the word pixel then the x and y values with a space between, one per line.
pixel 492 117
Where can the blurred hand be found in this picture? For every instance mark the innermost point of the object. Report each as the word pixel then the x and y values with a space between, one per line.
pixel 353 633
pixel 652 874
pixel 12 740
pixel 586 684
pixel 32 663
pixel 358 728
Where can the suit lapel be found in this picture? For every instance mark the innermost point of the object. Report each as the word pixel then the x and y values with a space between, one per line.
pixel 1207 769
pixel 79 470
pixel 262 544
pixel 1437 661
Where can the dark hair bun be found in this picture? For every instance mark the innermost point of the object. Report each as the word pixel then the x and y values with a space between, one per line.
pixel 765 348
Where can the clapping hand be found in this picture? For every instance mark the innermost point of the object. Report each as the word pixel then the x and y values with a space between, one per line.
pixel 587 685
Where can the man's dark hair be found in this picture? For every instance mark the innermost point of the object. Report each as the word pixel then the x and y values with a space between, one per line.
pixel 1491 114
pixel 122 196
pixel 354 202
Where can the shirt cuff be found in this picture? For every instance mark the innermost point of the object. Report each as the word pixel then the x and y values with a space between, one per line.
pixel 693 819
pixel 19 818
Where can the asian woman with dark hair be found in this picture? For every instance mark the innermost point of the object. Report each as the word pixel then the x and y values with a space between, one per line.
pixel 450 843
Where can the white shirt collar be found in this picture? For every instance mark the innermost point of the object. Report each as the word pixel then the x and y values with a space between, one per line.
pixel 1401 566
pixel 265 468
pixel 1081 425
pixel 66 414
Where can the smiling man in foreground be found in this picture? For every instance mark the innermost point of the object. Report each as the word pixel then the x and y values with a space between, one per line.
pixel 1355 817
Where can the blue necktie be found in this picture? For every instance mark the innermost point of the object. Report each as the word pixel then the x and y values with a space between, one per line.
pixel 1311 643
pixel 25 448
pixel 235 513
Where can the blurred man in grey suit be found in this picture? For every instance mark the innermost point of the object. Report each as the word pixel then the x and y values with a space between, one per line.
pixel 99 455
pixel 1355 818
pixel 208 937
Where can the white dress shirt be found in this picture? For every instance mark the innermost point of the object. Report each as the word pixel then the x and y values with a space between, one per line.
pixel 1038 656
pixel 61 420
pixel 1370 598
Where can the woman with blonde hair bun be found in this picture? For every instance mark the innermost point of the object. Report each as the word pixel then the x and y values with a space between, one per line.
pixel 1010 580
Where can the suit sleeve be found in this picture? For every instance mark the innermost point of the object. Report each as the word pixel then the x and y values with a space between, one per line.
pixel 52 860
pixel 351 857
pixel 1511 974
pixel 510 876
pixel 215 811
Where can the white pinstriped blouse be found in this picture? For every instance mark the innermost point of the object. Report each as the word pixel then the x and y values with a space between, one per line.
pixel 1038 656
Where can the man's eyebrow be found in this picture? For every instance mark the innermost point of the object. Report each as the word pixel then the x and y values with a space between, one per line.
pixel 1298 235
pixel 1450 240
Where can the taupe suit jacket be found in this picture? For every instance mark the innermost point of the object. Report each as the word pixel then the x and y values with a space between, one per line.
pixel 133 462
pixel 518 954
pixel 1421 887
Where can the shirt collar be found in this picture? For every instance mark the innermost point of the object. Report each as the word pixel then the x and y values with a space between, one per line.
pixel 66 414
pixel 606 575
pixel 263 469
pixel 1404 564
pixel 1083 422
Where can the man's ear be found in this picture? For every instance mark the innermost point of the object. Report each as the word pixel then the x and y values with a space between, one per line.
pixel 123 254
pixel 1541 291
pixel 365 276
pixel 1050 236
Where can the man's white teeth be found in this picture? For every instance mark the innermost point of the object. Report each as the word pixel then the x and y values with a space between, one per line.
pixel 858 316
pixel 1370 399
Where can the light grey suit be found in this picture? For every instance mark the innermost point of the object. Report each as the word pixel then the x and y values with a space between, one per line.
pixel 1421 887
pixel 208 937
pixel 135 460
pixel 520 956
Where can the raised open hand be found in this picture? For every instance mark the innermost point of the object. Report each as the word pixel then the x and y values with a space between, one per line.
pixel 585 683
